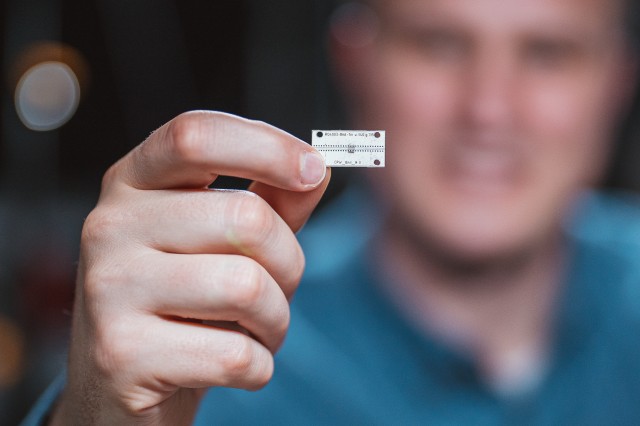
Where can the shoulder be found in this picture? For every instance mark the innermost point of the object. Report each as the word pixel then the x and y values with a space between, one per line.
pixel 608 219
pixel 606 226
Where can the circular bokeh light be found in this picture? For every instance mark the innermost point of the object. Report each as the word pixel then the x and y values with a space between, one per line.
pixel 47 96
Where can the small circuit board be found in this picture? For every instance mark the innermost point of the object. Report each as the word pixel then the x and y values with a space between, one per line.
pixel 350 148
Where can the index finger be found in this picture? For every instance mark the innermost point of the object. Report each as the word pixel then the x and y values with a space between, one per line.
pixel 194 148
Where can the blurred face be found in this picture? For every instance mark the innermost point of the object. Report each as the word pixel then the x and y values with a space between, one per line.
pixel 497 113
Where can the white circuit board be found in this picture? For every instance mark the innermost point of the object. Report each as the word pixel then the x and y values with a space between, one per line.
pixel 350 148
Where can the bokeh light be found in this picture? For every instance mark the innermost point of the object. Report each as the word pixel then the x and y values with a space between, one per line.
pixel 11 353
pixel 48 79
pixel 47 96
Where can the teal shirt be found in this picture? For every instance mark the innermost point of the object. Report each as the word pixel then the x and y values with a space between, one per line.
pixel 352 358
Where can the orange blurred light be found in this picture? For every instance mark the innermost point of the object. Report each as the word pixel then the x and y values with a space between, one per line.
pixel 12 345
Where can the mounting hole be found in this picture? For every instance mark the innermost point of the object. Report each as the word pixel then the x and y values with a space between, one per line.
pixel 377 135
pixel 319 134
pixel 376 162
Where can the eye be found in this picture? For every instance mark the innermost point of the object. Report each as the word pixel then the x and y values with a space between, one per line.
pixel 550 53
pixel 432 43
pixel 441 44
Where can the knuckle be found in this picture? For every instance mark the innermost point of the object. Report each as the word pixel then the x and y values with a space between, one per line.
pixel 251 220
pixel 105 282
pixel 106 223
pixel 283 318
pixel 297 265
pixel 238 359
pixel 107 266
pixel 108 177
pixel 115 346
pixel 249 284
pixel 95 283
pixel 263 375
pixel 186 136
pixel 98 226
pixel 295 270
pixel 245 367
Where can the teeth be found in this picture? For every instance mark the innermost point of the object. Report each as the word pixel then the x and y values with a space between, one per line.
pixel 482 164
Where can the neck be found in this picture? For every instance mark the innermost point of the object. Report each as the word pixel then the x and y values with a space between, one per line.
pixel 497 310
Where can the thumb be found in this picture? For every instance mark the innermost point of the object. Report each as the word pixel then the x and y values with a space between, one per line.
pixel 294 207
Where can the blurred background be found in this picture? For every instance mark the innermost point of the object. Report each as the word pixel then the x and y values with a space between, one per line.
pixel 84 81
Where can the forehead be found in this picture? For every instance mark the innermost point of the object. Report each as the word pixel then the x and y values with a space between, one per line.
pixel 587 16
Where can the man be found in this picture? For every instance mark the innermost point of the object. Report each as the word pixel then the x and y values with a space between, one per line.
pixel 470 305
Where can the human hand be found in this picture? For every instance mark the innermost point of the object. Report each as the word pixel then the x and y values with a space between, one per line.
pixel 181 287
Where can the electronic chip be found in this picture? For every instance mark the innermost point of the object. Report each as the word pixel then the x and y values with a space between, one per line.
pixel 350 148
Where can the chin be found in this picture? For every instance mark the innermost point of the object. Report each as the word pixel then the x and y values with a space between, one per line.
pixel 477 250
pixel 463 243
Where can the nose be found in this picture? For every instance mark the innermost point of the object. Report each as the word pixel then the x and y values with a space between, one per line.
pixel 488 104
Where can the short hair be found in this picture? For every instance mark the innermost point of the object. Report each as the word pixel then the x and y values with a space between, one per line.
pixel 631 23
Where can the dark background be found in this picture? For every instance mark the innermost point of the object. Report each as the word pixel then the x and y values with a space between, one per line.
pixel 146 61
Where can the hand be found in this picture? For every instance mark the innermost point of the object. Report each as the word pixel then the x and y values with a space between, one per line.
pixel 167 264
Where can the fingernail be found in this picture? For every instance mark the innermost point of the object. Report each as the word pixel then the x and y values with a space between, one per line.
pixel 312 168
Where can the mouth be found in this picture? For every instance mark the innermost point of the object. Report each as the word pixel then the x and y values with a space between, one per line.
pixel 482 168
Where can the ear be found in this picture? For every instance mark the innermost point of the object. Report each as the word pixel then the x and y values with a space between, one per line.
pixel 352 33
